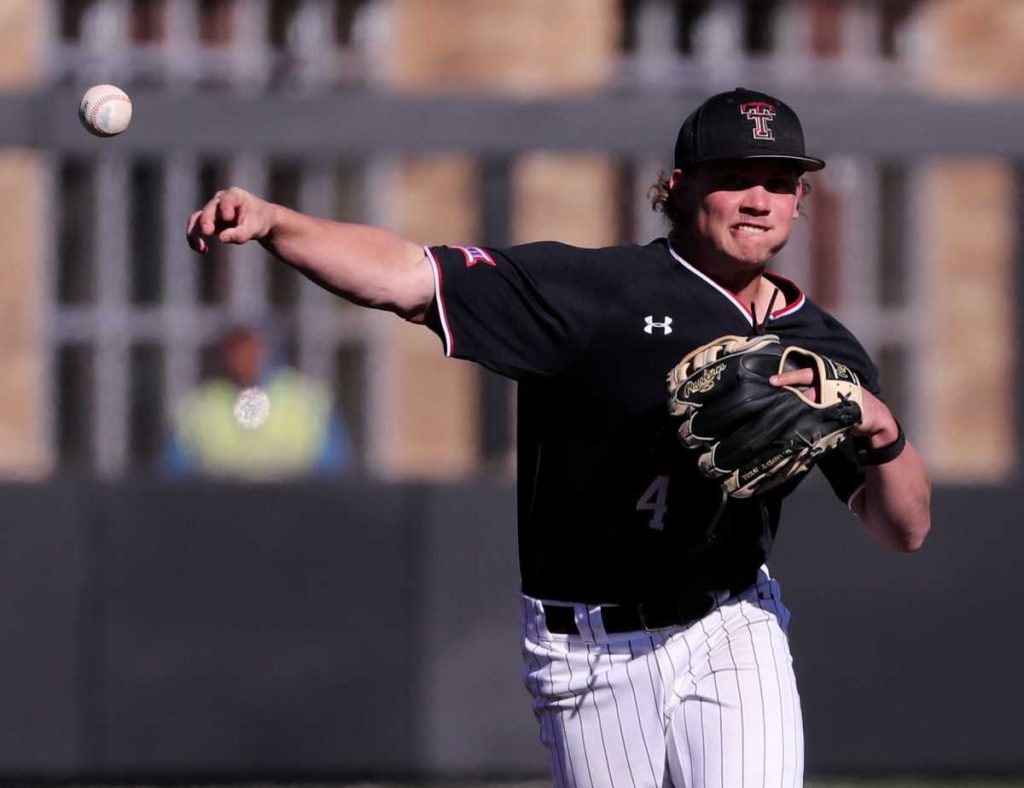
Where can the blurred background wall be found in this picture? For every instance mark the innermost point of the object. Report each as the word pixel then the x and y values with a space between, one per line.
pixel 470 122
pixel 109 319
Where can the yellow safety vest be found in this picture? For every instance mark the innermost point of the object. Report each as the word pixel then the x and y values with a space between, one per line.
pixel 288 443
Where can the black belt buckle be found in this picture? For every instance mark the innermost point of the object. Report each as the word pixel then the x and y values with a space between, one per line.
pixel 654 616
pixel 637 617
pixel 673 612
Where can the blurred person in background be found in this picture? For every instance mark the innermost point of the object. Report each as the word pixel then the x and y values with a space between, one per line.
pixel 656 651
pixel 257 419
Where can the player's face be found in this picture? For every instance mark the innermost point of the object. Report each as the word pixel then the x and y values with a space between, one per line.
pixel 743 211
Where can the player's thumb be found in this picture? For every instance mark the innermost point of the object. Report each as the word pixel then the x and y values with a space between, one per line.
pixel 238 234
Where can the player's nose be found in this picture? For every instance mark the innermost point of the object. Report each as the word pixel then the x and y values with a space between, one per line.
pixel 755 199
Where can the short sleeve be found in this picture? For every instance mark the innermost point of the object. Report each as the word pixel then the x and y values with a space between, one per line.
pixel 522 310
pixel 841 345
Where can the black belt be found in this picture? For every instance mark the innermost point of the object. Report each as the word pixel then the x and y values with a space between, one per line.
pixel 634 617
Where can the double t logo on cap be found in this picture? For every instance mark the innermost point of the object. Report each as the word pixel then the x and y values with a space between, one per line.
pixel 760 112
pixel 742 124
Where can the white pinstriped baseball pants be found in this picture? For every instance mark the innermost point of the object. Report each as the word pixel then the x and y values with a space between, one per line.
pixel 709 705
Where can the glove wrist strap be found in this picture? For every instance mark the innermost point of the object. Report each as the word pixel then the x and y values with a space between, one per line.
pixel 883 454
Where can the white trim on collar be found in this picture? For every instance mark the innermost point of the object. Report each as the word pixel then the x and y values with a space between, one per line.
pixel 786 310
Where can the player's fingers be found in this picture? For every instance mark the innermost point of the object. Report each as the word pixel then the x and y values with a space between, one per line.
pixel 239 233
pixel 193 234
pixel 227 210
pixel 208 216
pixel 797 377
pixel 233 236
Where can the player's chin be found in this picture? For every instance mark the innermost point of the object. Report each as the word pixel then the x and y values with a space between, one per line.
pixel 755 257
pixel 756 251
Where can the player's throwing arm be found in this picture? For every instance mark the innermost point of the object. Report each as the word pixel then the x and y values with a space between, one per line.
pixel 365 265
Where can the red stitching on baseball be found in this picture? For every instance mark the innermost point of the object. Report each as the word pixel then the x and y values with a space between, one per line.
pixel 94 110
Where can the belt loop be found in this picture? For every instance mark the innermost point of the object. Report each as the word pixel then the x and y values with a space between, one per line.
pixel 583 620
pixel 595 623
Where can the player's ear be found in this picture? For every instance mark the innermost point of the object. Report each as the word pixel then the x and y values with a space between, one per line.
pixel 678 187
pixel 800 192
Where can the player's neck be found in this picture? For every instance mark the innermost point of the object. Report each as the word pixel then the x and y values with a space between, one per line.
pixel 747 282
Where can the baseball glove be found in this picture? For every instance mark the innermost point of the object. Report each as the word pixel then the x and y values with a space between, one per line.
pixel 754 435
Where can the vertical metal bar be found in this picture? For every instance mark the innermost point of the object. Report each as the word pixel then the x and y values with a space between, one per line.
pixel 110 395
pixel 495 391
pixel 311 42
pixel 916 307
pixel 718 40
pixel 861 35
pixel 247 263
pixel 792 51
pixel 182 51
pixel 315 333
pixel 180 330
pixel 856 180
pixel 47 343
pixel 381 180
pixel 250 50
pixel 1018 426
pixel 655 38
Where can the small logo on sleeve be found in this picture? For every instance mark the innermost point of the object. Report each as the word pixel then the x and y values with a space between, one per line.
pixel 474 255
pixel 650 324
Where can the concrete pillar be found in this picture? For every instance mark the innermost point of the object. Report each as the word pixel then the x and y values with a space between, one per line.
pixel 515 47
pixel 968 238
pixel 24 446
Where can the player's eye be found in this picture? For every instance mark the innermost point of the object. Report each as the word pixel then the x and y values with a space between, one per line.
pixel 781 185
pixel 733 181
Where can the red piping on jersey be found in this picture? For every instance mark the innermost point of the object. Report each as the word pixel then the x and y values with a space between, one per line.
pixel 788 308
pixel 776 314
pixel 442 310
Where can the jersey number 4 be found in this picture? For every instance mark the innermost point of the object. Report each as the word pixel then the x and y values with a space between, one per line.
pixel 655 499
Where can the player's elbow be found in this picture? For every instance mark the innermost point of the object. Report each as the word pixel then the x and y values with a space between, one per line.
pixel 409 289
pixel 908 535
pixel 914 541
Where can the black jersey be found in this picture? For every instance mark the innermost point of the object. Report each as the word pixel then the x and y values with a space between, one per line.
pixel 611 507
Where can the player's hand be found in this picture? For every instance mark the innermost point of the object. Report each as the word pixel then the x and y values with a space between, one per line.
pixel 232 216
pixel 876 418
pixel 802 379
pixel 877 421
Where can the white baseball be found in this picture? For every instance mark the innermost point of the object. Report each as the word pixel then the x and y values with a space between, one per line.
pixel 105 110
pixel 252 408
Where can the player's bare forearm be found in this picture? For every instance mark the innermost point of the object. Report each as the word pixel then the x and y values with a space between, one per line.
pixel 895 502
pixel 369 266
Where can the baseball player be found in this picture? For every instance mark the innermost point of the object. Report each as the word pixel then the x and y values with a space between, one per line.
pixel 655 644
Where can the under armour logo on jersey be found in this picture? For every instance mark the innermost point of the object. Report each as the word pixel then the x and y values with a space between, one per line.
pixel 474 255
pixel 760 112
pixel 665 325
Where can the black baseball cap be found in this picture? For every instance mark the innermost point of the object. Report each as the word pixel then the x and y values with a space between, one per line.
pixel 742 124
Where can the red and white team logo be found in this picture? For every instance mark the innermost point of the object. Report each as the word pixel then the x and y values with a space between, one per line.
pixel 474 255
pixel 760 112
